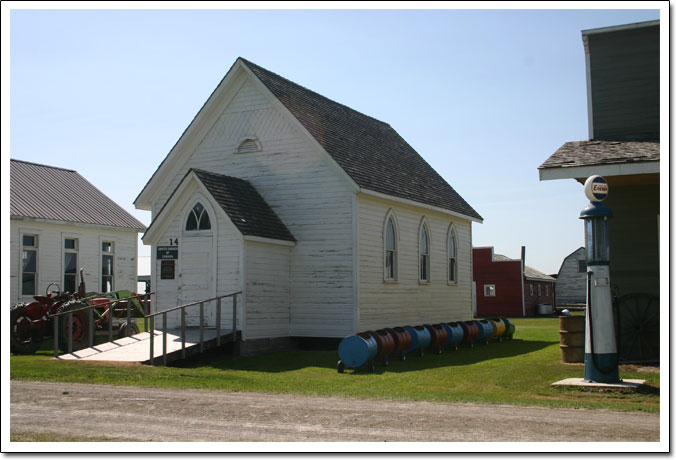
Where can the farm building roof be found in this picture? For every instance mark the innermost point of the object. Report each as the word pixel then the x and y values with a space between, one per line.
pixel 528 272
pixel 247 209
pixel 373 154
pixel 599 152
pixel 50 193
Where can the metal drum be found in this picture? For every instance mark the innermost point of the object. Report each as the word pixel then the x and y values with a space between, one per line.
pixel 471 332
pixel 481 336
pixel 500 328
pixel 571 331
pixel 510 328
pixel 489 329
pixel 438 335
pixel 420 338
pixel 414 338
pixel 385 343
pixel 455 334
pixel 356 350
pixel 402 339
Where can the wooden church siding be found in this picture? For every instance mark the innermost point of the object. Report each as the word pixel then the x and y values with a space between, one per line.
pixel 406 301
pixel 267 290
pixel 224 261
pixel 303 190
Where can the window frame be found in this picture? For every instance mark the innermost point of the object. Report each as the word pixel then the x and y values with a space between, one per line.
pixel 76 251
pixel 452 233
pixel 198 220
pixel 531 289
pixel 489 290
pixel 110 254
pixel 539 290
pixel 424 259
pixel 391 217
pixel 35 249
pixel 546 290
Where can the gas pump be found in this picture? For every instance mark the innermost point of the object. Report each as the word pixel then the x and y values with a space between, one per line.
pixel 600 354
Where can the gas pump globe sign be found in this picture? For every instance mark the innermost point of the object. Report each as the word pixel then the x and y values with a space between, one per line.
pixel 596 188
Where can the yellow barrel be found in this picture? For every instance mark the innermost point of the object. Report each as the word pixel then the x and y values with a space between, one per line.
pixel 499 328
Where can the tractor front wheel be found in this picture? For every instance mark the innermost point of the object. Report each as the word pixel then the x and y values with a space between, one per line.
pixel 133 330
pixel 80 325
pixel 21 340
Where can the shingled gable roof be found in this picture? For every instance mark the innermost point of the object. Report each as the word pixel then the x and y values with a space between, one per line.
pixel 46 192
pixel 369 151
pixel 602 152
pixel 245 207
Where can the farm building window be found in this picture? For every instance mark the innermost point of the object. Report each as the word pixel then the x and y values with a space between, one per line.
pixel 489 290
pixel 581 266
pixel 452 258
pixel 70 254
pixel 390 249
pixel 107 264
pixel 424 249
pixel 531 288
pixel 539 290
pixel 29 264
pixel 249 145
pixel 198 219
pixel 547 290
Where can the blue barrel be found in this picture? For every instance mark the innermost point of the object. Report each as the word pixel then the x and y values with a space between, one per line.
pixel 414 338
pixel 483 331
pixel 356 350
pixel 489 329
pixel 455 334
pixel 424 337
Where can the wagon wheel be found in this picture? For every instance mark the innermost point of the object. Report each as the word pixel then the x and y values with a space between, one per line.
pixel 638 331
pixel 80 325
pixel 21 340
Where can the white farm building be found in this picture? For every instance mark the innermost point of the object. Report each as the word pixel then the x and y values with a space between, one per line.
pixel 324 218
pixel 60 223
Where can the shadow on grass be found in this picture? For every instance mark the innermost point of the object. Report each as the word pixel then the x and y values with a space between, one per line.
pixel 294 360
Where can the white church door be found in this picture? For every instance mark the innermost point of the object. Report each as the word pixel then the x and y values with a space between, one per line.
pixel 197 265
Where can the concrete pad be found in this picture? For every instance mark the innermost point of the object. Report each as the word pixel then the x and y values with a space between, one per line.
pixel 580 382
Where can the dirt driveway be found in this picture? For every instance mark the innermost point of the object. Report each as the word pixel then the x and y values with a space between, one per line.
pixel 122 413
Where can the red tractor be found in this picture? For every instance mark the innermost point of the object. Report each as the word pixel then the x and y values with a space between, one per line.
pixel 32 323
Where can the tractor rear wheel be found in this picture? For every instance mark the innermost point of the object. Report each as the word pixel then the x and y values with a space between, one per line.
pixel 80 326
pixel 21 341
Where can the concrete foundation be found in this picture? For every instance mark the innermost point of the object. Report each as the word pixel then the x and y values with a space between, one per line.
pixel 580 382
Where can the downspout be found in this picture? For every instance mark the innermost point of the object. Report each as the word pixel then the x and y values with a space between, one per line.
pixel 523 281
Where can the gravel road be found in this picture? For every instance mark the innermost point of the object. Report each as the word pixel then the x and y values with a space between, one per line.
pixel 122 413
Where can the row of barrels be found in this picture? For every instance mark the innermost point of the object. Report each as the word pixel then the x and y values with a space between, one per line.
pixel 365 348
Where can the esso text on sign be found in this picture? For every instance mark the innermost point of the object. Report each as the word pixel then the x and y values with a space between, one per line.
pixel 596 188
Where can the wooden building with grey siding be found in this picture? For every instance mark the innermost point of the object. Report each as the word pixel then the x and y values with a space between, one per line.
pixel 325 218
pixel 571 281
pixel 623 89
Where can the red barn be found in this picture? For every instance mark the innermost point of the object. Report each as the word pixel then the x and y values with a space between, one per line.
pixel 508 287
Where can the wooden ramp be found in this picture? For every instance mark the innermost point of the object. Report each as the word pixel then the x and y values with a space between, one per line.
pixel 136 348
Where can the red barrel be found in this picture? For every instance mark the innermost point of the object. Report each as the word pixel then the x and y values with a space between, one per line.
pixel 405 339
pixel 471 331
pixel 385 343
pixel 439 336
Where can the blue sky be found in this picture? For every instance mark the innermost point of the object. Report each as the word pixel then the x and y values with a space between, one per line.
pixel 485 96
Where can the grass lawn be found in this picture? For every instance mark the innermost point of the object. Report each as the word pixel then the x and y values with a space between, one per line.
pixel 518 372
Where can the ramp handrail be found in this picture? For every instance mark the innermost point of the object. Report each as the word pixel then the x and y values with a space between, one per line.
pixel 151 320
pixel 143 298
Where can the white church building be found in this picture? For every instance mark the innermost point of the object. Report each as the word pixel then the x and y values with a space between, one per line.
pixel 325 218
